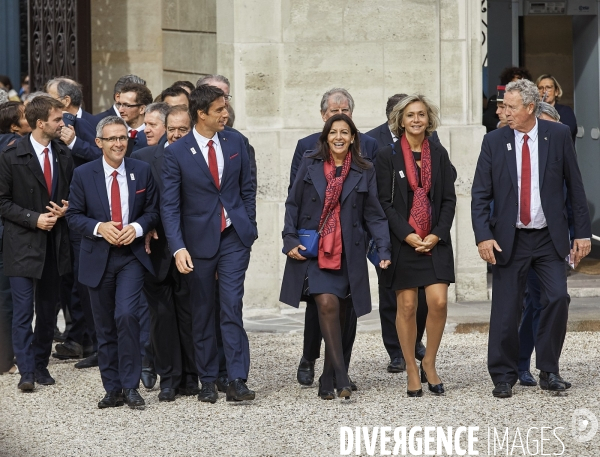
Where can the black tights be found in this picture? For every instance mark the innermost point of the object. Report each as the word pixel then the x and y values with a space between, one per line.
pixel 332 316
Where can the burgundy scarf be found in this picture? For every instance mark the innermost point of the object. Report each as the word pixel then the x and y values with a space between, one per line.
pixel 330 242
pixel 420 213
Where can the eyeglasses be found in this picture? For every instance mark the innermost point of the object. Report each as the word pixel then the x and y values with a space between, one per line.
pixel 114 139
pixel 228 97
pixel 182 130
pixel 127 105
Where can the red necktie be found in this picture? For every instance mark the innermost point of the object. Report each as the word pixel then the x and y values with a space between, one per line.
pixel 115 201
pixel 133 134
pixel 525 214
pixel 214 171
pixel 47 172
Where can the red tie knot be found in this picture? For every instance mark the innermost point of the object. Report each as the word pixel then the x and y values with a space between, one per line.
pixel 115 174
pixel 133 133
pixel 46 150
pixel 525 138
pixel 210 143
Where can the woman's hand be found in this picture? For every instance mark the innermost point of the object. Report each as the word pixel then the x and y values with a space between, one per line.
pixel 414 240
pixel 384 264
pixel 294 254
pixel 428 243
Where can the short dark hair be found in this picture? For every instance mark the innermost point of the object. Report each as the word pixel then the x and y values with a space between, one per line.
pixel 322 149
pixel 177 109
pixel 509 73
pixel 5 80
pixel 72 89
pixel 10 114
pixel 39 109
pixel 173 91
pixel 142 93
pixel 391 102
pixel 127 79
pixel 201 98
pixel 188 84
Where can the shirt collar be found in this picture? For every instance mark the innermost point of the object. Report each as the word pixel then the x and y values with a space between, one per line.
pixel 39 148
pixel 394 137
pixel 108 170
pixel 532 134
pixel 202 140
pixel 79 113
pixel 138 129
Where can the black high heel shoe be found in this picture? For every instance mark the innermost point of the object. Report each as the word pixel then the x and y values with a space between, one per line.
pixel 437 389
pixel 414 393
pixel 325 394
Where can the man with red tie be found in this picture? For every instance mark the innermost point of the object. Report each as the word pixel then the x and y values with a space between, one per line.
pixel 522 169
pixel 208 210
pixel 34 188
pixel 113 205
pixel 132 103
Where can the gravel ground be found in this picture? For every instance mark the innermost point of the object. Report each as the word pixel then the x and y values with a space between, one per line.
pixel 286 419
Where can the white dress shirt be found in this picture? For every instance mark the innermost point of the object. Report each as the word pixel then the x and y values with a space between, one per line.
pixel 394 137
pixel 538 220
pixel 139 129
pixel 79 113
pixel 39 152
pixel 124 194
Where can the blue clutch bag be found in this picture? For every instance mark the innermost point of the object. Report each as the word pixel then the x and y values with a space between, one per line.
pixel 372 254
pixel 310 240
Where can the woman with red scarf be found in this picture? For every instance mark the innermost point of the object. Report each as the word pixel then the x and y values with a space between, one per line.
pixel 335 192
pixel 415 180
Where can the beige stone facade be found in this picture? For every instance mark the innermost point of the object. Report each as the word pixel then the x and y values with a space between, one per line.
pixel 280 56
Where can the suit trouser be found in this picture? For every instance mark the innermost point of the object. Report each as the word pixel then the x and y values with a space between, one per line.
pixel 230 263
pixel 32 348
pixel 6 318
pixel 312 332
pixel 532 249
pixel 388 307
pixel 115 303
pixel 530 320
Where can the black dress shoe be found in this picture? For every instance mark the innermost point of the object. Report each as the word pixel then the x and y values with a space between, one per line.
pixel 189 391
pixel 112 400
pixel 552 382
pixel 133 399
pixel 88 362
pixel 167 394
pixel 68 350
pixel 208 393
pixel 42 376
pixel 238 391
pixel 148 377
pixel 222 382
pixel 419 351
pixel 437 389
pixel 27 382
pixel 502 390
pixel 352 383
pixel 58 336
pixel 526 379
pixel 306 372
pixel 325 394
pixel 397 365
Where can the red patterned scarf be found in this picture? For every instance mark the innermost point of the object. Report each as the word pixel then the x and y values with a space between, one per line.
pixel 330 242
pixel 420 213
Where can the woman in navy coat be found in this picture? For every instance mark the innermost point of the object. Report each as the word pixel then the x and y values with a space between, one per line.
pixel 335 191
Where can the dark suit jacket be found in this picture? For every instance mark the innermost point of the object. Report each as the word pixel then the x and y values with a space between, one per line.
pixel 191 203
pixel 360 210
pixel 109 112
pixel 368 149
pixel 84 150
pixel 251 155
pixel 159 249
pixel 88 205
pixel 496 181
pixel 390 162
pixel 383 136
pixel 139 142
pixel 23 197
pixel 567 117
pixel 89 118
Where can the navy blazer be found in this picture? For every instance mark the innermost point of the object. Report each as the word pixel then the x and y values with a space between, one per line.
pixel 383 136
pixel 567 117
pixel 368 149
pixel 89 118
pixel 360 210
pixel 88 205
pixel 496 181
pixel 84 150
pixel 190 205
pixel 251 154
pixel 109 112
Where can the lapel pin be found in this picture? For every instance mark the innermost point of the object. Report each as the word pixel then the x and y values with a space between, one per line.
pixel 193 151
pixel 508 146
pixel 546 138
pixel 131 175
pixel 401 174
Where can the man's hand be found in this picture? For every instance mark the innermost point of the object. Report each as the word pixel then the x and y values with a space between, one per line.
pixel 581 248
pixel 110 232
pixel 127 235
pixel 183 261
pixel 46 221
pixel 486 250
pixel 58 211
pixel 150 235
pixel 67 134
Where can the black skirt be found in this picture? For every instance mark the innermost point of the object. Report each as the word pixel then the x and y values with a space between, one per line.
pixel 413 270
pixel 324 281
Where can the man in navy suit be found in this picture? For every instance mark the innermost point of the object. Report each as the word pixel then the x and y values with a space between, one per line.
pixel 334 101
pixel 208 210
pixel 522 169
pixel 132 103
pixel 113 110
pixel 112 205
pixel 34 188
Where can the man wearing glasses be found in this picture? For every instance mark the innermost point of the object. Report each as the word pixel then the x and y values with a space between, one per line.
pixel 132 103
pixel 113 204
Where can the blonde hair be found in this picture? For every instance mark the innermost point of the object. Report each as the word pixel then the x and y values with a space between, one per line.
pixel 398 113
pixel 559 91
